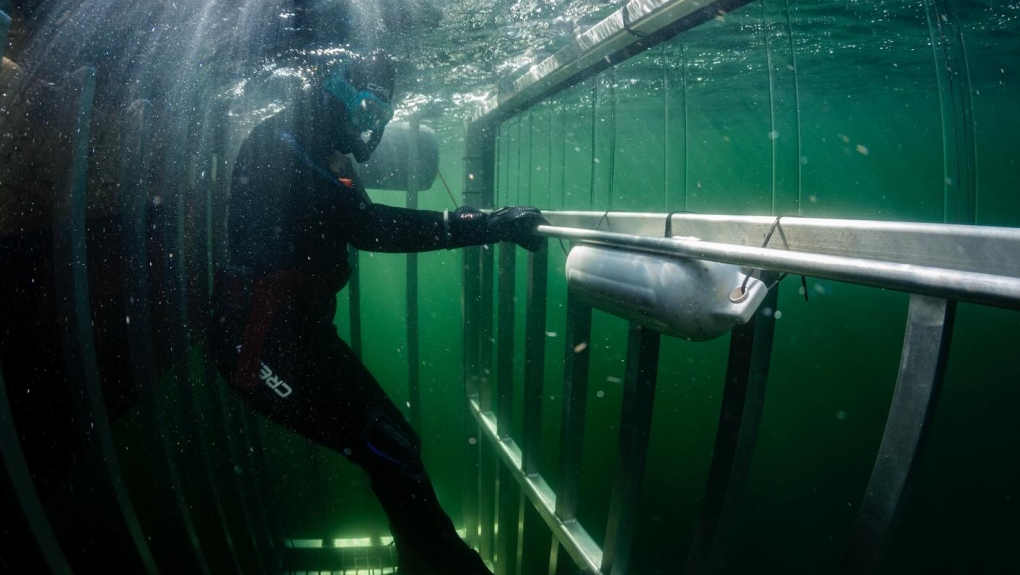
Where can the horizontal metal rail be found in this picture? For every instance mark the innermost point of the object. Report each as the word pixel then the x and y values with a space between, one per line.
pixel 983 288
pixel 637 26
pixel 570 533
pixel 986 249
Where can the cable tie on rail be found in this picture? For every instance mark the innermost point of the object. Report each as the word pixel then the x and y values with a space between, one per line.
pixel 768 236
pixel 669 221
pixel 452 199
pixel 604 218
pixel 627 23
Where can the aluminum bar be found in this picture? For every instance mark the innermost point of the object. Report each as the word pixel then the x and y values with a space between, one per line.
pixel 637 26
pixel 575 399
pixel 983 249
pixel 922 369
pixel 581 547
pixel 635 429
pixel 470 312
pixel 135 224
pixel 508 493
pixel 487 459
pixel 534 356
pixel 71 281
pixel 534 539
pixel 740 415
pixel 354 299
pixel 505 342
pixel 413 344
pixel 17 480
pixel 982 288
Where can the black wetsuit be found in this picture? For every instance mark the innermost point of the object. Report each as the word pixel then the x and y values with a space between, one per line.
pixel 290 221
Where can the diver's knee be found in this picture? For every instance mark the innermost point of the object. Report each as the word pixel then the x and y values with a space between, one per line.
pixel 388 443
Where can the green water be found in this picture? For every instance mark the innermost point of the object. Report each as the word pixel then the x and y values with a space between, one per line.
pixel 820 109
pixel 840 118
pixel 843 118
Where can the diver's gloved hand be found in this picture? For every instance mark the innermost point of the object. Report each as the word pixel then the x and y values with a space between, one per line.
pixel 469 227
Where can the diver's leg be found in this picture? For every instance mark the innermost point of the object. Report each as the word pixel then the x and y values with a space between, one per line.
pixel 386 446
pixel 313 384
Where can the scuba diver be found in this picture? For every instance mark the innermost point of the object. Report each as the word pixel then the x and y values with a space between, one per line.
pixel 295 204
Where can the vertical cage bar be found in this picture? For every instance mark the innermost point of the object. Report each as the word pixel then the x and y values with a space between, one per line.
pixel 260 481
pixel 505 343
pixel 175 264
pixel 213 473
pixel 209 428
pixel 226 464
pixel 472 433
pixel 413 353
pixel 785 107
pixel 71 281
pixel 486 336
pixel 923 361
pixel 231 419
pixel 534 357
pixel 134 226
pixel 635 428
pixel 533 537
pixel 509 497
pixel 508 494
pixel 489 458
pixel 354 298
pixel 488 467
pixel 740 415
pixel 953 76
pixel 575 399
pixel 533 540
pixel 479 191
pixel 16 480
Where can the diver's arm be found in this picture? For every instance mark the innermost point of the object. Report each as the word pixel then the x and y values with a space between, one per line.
pixel 382 228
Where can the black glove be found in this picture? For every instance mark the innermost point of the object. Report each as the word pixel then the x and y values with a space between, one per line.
pixel 470 227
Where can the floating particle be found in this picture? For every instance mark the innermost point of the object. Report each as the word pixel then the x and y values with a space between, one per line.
pixel 846 139
pixel 862 149
pixel 127 320
pixel 581 347
pixel 550 334
pixel 813 199
pixel 840 415
pixel 774 135
pixel 612 379
pixel 600 394
pixel 472 440
pixel 778 314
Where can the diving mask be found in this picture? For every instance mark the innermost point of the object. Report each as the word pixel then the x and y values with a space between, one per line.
pixel 366 111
